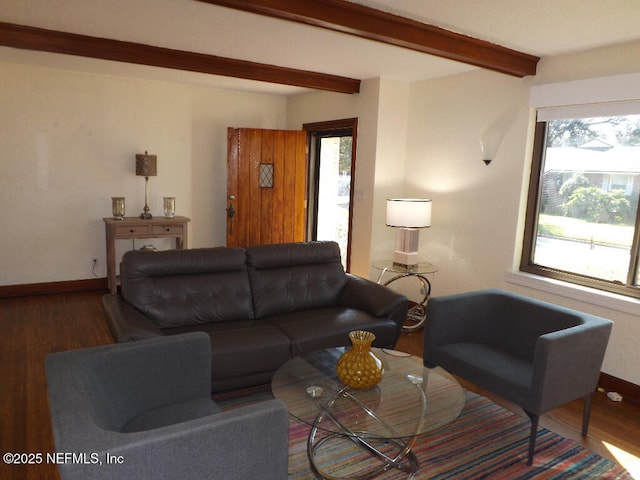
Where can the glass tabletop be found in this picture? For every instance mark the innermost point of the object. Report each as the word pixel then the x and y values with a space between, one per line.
pixel 409 400
pixel 393 267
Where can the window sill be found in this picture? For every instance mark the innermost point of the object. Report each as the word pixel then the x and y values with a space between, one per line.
pixel 575 292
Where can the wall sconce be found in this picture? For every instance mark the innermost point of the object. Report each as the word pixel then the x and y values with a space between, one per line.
pixel 146 166
pixel 488 150
pixel 491 139
pixel 408 215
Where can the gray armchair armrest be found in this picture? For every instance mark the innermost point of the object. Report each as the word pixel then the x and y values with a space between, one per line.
pixel 567 363
pixel 249 442
pixel 125 322
pixel 374 299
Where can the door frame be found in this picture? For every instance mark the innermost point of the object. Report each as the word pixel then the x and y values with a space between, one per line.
pixel 321 129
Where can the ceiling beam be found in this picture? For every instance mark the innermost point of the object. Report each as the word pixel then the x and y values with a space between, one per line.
pixel 31 38
pixel 372 24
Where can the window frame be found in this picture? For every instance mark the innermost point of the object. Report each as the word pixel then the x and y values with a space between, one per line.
pixel 530 233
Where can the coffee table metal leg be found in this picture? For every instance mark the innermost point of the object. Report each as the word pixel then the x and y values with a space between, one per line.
pixel 404 460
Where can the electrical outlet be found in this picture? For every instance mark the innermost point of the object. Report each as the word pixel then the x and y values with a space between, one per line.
pixel 94 264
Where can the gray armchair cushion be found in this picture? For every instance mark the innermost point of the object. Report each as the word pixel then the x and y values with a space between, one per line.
pixel 123 383
pixel 170 415
pixel 496 370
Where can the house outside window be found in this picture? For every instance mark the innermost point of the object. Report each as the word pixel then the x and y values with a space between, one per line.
pixel 582 221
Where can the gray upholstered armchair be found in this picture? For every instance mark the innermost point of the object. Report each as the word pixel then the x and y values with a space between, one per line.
pixel 143 410
pixel 532 353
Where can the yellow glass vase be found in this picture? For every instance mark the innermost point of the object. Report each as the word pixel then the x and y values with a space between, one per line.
pixel 358 367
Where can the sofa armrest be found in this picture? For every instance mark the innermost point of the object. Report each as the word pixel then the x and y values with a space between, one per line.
pixel 374 299
pixel 248 442
pixel 125 322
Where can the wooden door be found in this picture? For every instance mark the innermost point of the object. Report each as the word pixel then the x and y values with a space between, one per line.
pixel 274 209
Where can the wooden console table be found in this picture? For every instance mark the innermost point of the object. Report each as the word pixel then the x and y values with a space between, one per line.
pixel 134 227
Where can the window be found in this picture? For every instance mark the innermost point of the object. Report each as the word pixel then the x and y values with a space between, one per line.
pixel 582 222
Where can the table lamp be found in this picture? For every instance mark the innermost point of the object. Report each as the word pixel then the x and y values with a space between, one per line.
pixel 408 215
pixel 146 166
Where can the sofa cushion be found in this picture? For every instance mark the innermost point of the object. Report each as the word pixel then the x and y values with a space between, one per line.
pixel 242 348
pixel 330 327
pixel 188 287
pixel 294 277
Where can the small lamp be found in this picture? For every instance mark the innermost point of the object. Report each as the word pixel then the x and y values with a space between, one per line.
pixel 488 151
pixel 146 166
pixel 408 215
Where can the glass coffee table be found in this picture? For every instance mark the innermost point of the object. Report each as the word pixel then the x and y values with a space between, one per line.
pixel 363 433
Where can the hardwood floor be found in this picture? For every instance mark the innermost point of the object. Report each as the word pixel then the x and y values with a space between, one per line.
pixel 32 327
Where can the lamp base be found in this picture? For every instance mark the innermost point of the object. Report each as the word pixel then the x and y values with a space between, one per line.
pixel 146 213
pixel 405 254
pixel 406 260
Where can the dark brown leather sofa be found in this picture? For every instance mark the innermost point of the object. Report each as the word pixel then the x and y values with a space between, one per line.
pixel 260 306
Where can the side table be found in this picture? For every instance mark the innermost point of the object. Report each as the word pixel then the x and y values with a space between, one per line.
pixel 135 227
pixel 417 313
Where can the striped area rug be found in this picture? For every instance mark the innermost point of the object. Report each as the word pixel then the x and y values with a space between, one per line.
pixel 485 442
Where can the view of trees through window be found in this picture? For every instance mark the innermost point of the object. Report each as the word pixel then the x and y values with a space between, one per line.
pixel 334 188
pixel 588 197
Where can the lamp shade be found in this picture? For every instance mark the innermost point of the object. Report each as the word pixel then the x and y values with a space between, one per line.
pixel 146 165
pixel 409 212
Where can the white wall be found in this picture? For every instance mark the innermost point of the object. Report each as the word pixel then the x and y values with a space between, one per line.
pixel 599 62
pixel 69 141
pixel 475 207
pixel 323 106
pixel 390 168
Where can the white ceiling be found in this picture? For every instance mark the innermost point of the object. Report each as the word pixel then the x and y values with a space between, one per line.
pixel 538 27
